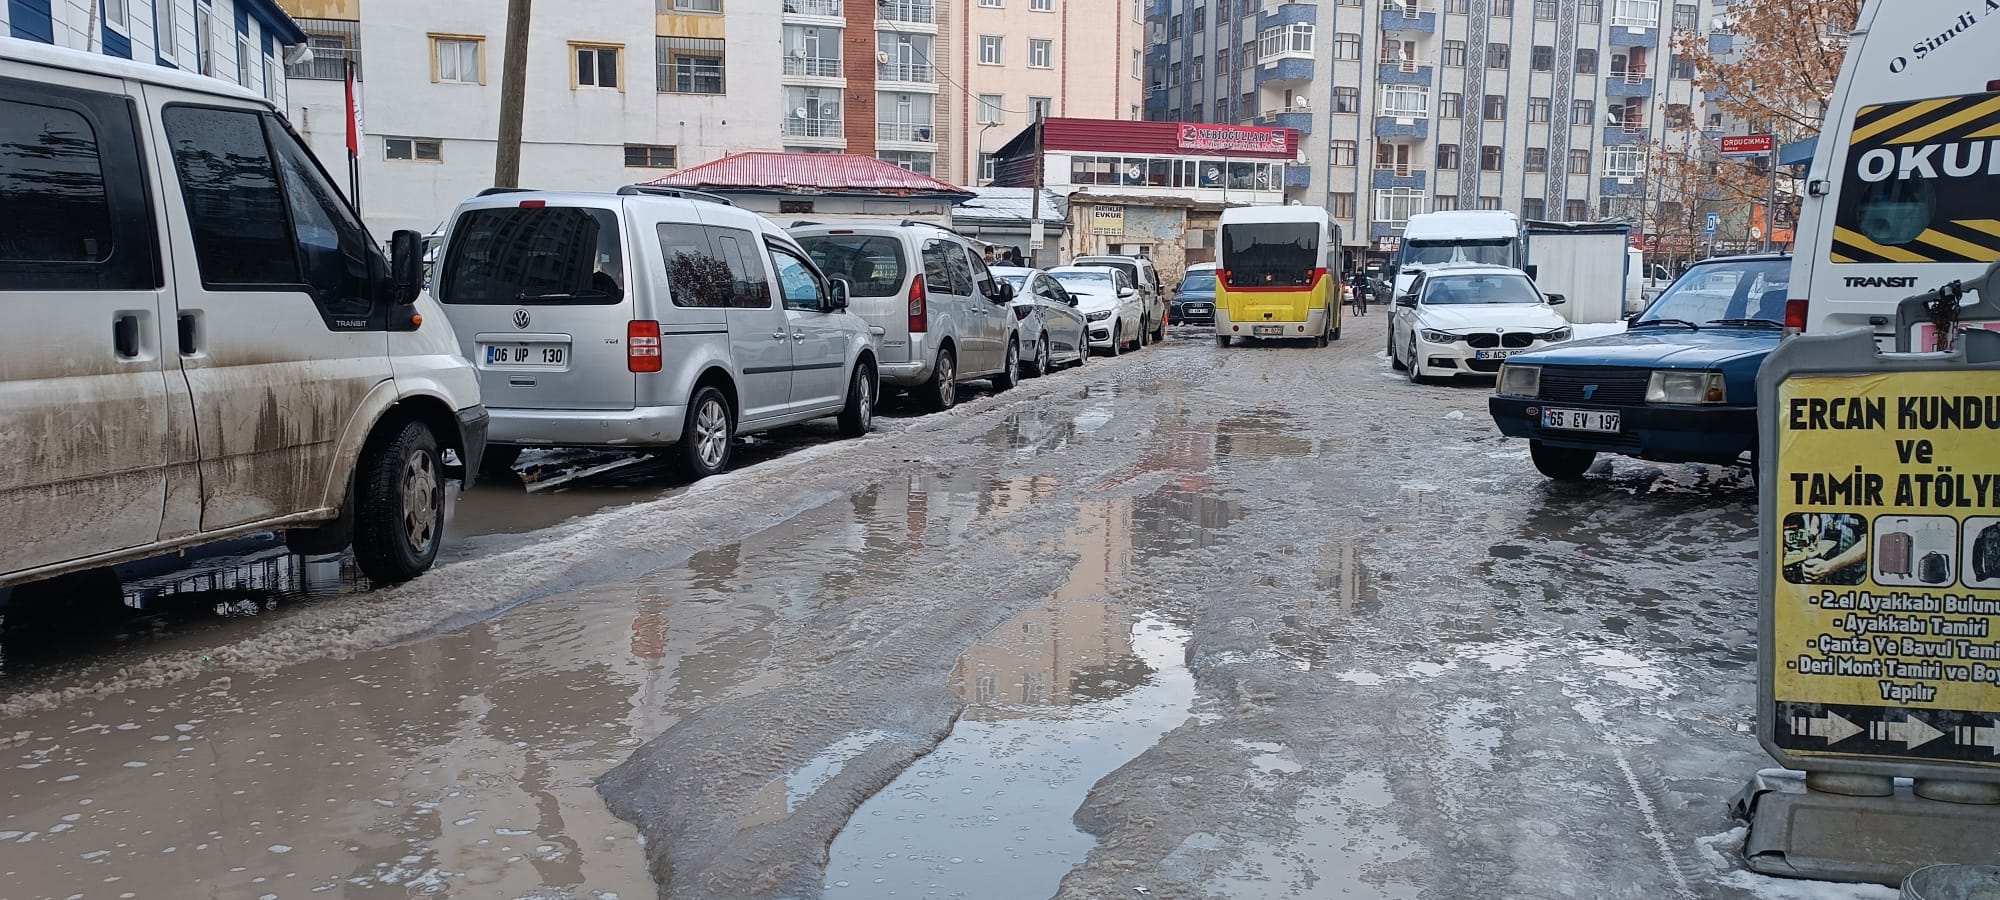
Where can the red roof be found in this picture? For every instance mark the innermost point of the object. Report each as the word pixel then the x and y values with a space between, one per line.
pixel 808 173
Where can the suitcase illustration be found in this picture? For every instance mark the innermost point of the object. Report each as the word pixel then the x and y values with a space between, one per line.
pixel 1934 568
pixel 1896 552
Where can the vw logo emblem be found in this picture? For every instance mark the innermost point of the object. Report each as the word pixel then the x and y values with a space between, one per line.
pixel 521 318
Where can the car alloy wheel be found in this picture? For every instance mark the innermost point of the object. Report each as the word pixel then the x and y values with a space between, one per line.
pixel 711 432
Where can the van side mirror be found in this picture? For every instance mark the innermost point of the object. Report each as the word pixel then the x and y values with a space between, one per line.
pixel 1003 292
pixel 837 292
pixel 406 266
pixel 1557 299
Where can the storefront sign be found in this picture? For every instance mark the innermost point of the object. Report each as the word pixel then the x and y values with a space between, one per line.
pixel 1747 145
pixel 1227 138
pixel 1107 220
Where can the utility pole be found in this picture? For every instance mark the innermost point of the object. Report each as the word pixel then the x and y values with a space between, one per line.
pixel 513 96
pixel 1036 236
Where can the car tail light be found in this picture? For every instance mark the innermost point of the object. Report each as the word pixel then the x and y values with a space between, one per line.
pixel 1795 316
pixel 920 307
pixel 642 346
pixel 534 204
pixel 1993 85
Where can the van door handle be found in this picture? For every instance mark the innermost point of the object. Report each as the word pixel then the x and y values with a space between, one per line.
pixel 778 335
pixel 798 335
pixel 187 334
pixel 125 336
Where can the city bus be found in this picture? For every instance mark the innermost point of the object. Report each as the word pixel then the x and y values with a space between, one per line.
pixel 1276 274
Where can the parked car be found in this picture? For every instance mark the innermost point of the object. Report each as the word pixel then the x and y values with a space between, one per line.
pixel 939 316
pixel 208 342
pixel 1051 327
pixel 1679 385
pixel 648 318
pixel 1146 278
pixel 1109 303
pixel 1194 298
pixel 1464 318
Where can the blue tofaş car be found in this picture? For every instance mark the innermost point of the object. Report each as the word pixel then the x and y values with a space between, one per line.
pixel 1679 385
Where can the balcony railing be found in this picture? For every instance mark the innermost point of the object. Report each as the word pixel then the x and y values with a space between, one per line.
pixel 1268 116
pixel 829 8
pixel 815 127
pixel 904 131
pixel 1408 9
pixel 1402 170
pixel 1400 63
pixel 915 73
pixel 914 12
pixel 1633 75
pixel 812 66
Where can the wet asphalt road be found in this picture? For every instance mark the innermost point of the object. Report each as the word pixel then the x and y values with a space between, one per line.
pixel 1255 622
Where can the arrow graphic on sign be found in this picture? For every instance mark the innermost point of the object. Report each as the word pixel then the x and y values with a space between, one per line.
pixel 1832 726
pixel 1974 736
pixel 1913 732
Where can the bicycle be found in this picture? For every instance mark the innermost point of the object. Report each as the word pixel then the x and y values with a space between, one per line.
pixel 1360 300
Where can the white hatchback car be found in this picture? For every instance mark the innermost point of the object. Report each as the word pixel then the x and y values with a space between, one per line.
pixel 1110 304
pixel 1052 329
pixel 1465 319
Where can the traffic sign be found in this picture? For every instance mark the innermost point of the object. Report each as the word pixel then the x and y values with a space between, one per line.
pixel 1748 145
pixel 1714 222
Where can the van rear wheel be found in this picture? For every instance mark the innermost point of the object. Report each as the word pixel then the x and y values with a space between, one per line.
pixel 941 392
pixel 399 505
pixel 706 435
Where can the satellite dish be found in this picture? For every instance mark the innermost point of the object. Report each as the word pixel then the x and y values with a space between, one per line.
pixel 298 55
pixel 799 113
pixel 882 58
pixel 799 53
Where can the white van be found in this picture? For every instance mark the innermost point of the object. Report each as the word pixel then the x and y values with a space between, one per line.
pixel 1493 237
pixel 204 341
pixel 1903 187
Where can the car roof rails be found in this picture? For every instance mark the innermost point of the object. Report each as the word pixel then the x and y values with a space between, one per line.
pixel 654 190
pixel 504 190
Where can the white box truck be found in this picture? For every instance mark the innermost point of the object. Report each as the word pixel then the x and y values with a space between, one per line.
pixel 1586 262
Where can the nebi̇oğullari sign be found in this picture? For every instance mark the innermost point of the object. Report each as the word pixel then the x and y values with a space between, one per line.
pixel 1233 138
pixel 1886 619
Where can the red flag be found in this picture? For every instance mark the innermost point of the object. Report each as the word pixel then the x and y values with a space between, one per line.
pixel 353 117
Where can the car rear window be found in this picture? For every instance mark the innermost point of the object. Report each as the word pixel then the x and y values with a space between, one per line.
pixel 555 255
pixel 871 263
pixel 1131 270
pixel 1199 283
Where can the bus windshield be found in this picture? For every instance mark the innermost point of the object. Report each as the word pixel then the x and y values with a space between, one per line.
pixel 1271 254
pixel 1492 252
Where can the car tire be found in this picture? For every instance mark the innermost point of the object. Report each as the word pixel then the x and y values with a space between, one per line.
pixel 1160 332
pixel 399 505
pixel 941 391
pixel 1040 366
pixel 1561 463
pixel 707 434
pixel 1117 338
pixel 498 460
pixel 1145 335
pixel 1413 369
pixel 1083 348
pixel 1395 361
pixel 858 416
pixel 1010 372
pixel 1222 340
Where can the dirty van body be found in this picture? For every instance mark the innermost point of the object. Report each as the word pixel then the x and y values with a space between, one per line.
pixel 219 348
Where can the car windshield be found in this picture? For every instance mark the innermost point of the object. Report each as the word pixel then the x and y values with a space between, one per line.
pixel 872 264
pixel 1746 292
pixel 1468 290
pixel 1271 254
pixel 1198 283
pixel 1131 270
pixel 1429 253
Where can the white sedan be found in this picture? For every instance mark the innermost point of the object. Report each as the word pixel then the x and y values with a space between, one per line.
pixel 1109 302
pixel 1465 319
pixel 1053 332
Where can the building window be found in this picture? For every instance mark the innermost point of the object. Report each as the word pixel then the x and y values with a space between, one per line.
pixel 1198 21
pixel 1445 203
pixel 1542 59
pixel 1545 10
pixel 1138 64
pixel 1583 112
pixel 1396 205
pixel 1496 107
pixel 1576 211
pixel 1590 11
pixel 1448 106
pixel 1195 68
pixel 1686 17
pixel 1532 208
pixel 1194 113
pixel 1635 13
pixel 1489 203
pixel 417 149
pixel 1346 45
pixel 1491 158
pixel 1343 206
pixel 1454 53
pixel 1298 38
pixel 457 60
pixel 1680 67
pixel 243 57
pixel 1496 56
pixel 990 50
pixel 990 109
pixel 1346 100
pixel 1406 101
pixel 1679 116
pixel 1461 7
pixel 1041 54
pixel 995 4
pixel 989 167
pixel 1246 58
pixel 648 156
pixel 1040 108
pixel 1341 153
pixel 707 6
pixel 691 65
pixel 1624 162
pixel 1500 8
pixel 1538 109
pixel 1448 157
pixel 117 15
pixel 1579 162
pixel 909 160
pixel 333 44
pixel 1221 61
pixel 1538 159
pixel 1042 5
pixel 596 66
pixel 1586 62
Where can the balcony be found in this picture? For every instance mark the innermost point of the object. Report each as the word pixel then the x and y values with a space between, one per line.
pixel 1284 72
pixel 907 12
pixel 1159 9
pixel 1625 134
pixel 1418 129
pixel 1298 176
pixel 817 130
pixel 904 132
pixel 1400 177
pixel 812 67
pixel 1628 86
pixel 1405 71
pixel 1406 16
pixel 1297 118
pixel 1289 14
pixel 906 73
pixel 1632 186
pixel 819 9
pixel 1380 230
pixel 1634 37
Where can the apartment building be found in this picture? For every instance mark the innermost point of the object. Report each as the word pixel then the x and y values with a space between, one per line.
pixel 429 85
pixel 242 42
pixel 1550 108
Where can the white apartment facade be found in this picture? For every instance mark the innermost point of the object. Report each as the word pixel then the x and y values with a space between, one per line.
pixel 242 42
pixel 618 92
pixel 1015 59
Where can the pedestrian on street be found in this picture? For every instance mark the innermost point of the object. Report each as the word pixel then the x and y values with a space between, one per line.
pixel 990 257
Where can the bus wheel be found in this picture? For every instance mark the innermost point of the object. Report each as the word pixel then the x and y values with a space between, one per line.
pixel 1222 340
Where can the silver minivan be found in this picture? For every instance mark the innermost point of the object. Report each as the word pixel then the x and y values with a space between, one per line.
pixel 651 317
pixel 939 315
